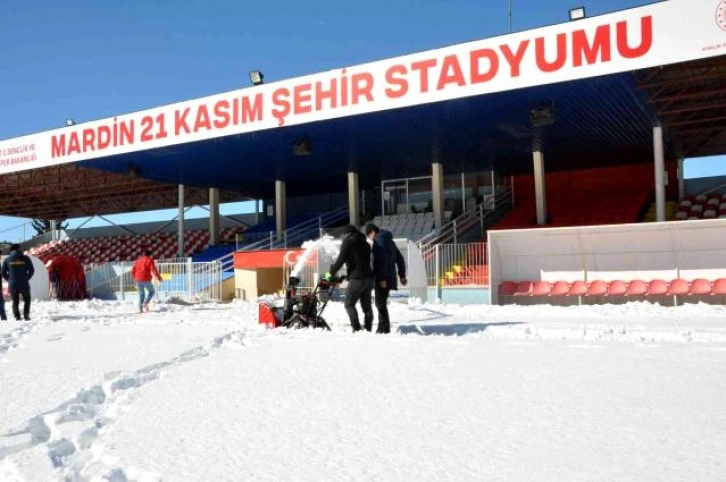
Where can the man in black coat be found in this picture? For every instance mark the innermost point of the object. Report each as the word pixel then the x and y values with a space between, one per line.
pixel 356 254
pixel 3 315
pixel 386 258
pixel 17 269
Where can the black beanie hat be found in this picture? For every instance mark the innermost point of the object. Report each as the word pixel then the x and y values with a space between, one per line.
pixel 370 227
pixel 350 229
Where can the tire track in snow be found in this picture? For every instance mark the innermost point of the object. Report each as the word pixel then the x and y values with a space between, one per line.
pixel 69 431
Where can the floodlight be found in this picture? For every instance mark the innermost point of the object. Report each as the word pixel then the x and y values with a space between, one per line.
pixel 577 13
pixel 256 77
pixel 70 122
pixel 542 116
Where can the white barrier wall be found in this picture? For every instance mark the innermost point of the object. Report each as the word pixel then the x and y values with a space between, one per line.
pixel 415 270
pixel 646 251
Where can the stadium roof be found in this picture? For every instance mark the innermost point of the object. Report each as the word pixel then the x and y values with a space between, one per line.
pixel 602 84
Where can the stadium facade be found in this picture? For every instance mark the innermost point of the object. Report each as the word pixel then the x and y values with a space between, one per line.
pixel 612 103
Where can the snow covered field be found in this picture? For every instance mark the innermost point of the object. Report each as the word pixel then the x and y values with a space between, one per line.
pixel 92 391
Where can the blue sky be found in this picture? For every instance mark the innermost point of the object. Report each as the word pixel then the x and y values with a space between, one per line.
pixel 94 59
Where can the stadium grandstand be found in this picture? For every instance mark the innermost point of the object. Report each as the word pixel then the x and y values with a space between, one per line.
pixel 539 166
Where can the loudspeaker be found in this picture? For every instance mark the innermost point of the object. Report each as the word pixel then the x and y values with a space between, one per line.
pixel 134 170
pixel 302 147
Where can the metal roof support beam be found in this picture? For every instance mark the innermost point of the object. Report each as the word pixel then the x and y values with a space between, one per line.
pixel 695 108
pixel 280 207
pixel 708 140
pixel 231 218
pixel 124 228
pixel 213 216
pixel 69 234
pixel 660 174
pixel 686 76
pixel 161 228
pixel 539 187
pixel 353 197
pixel 697 121
pixel 687 95
pixel 180 224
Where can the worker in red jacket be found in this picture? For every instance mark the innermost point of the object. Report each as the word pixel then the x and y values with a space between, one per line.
pixel 143 270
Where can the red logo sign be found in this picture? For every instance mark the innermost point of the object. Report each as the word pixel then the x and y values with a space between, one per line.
pixel 721 15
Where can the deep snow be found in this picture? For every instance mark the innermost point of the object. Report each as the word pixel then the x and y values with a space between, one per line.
pixel 92 391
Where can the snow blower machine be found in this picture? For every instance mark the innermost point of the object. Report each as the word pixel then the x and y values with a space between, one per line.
pixel 302 308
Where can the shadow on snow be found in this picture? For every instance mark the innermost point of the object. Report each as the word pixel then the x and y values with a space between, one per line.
pixel 456 329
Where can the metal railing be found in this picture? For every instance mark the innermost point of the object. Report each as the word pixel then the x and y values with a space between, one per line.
pixel 471 225
pixel 450 256
pixel 298 234
pixel 457 265
pixel 227 261
pixel 181 279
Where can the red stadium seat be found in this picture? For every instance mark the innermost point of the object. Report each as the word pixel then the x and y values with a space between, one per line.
pixel 560 288
pixel 542 288
pixel 657 287
pixel 617 288
pixel 578 288
pixel 507 288
pixel 636 287
pixel 700 286
pixel 719 287
pixel 597 288
pixel 678 286
pixel 524 288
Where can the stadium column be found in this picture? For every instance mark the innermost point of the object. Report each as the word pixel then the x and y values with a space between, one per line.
pixel 681 178
pixel 180 224
pixel 659 173
pixel 280 208
pixel 353 203
pixel 539 187
pixel 213 216
pixel 437 193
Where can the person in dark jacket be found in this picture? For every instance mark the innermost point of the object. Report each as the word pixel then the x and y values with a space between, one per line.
pixel 17 269
pixel 3 315
pixel 386 258
pixel 355 253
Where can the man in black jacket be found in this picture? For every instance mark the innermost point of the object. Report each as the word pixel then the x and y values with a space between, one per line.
pixel 356 254
pixel 3 315
pixel 387 259
pixel 17 269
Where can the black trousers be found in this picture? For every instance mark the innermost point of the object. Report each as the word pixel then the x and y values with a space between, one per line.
pixel 15 295
pixel 359 290
pixel 384 322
